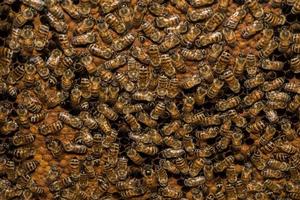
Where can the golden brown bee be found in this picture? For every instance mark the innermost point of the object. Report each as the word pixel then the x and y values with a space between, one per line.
pixel 274 20
pixel 189 38
pixel 144 96
pixel 231 174
pixel 271 115
pixel 251 65
pixel 252 29
pixel 70 120
pixel 171 127
pixel 222 62
pixel 292 87
pixel 233 20
pixel 51 128
pixel 22 17
pixel 195 15
pixel 162 176
pixel 181 28
pixel 256 126
pixel 214 52
pixel 253 96
pixel 229 36
pixel 59 25
pixel 71 9
pixel 215 88
pixel 127 184
pixel 55 9
pixel 255 109
pixel 255 81
pixel 169 42
pixel 60 184
pixel 10 193
pixel 115 63
pixel 132 121
pixel 169 192
pixel 131 193
pixel 23 117
pixel 194 181
pixel 103 52
pixel 88 167
pixel 54 58
pixel 196 166
pixel 269 49
pixel 214 21
pixel 272 173
pixel 290 187
pixel 295 64
pixel 273 85
pixel 164 22
pixel 27 36
pixel 65 44
pixel 134 156
pixel 239 121
pixel 296 8
pixel 85 25
pixel 162 86
pixel 294 104
pixel 139 54
pixel 287 148
pixel 23 153
pixel 74 148
pixel 255 7
pixel 125 83
pixel 272 65
pixel 144 118
pixel 19 140
pixel 41 37
pixel 154 55
pixel 16 74
pixel 167 65
pixel 181 5
pixel 172 142
pixel 267 35
pixel 223 5
pixel 88 63
pixel 258 161
pixel 194 55
pixel 14 43
pixel 278 165
pixel 172 109
pixel 285 39
pixel 190 82
pixel 123 42
pixel 278 96
pixel 84 39
pixel 188 104
pixel 38 5
pixel 105 34
pixel 200 95
pixel 209 38
pixel 139 12
pixel 157 9
pixel 116 24
pixel 232 81
pixel 182 165
pixel 208 171
pixel 104 124
pixel 67 80
pixel 152 33
pixel 172 153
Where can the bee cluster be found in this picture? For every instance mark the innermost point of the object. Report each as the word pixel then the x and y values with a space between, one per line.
pixel 179 99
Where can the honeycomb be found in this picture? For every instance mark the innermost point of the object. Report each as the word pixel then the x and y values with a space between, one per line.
pixel 120 99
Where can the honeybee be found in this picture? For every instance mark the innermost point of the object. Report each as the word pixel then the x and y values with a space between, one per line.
pixel 55 9
pixel 125 83
pixel 269 49
pixel 190 82
pixel 164 22
pixel 59 25
pixel 16 74
pixel 233 20
pixel 137 191
pixel 252 29
pixel 139 12
pixel 134 156
pixel 188 104
pixel 253 96
pixel 23 117
pixel 23 153
pixel 189 38
pixel 41 37
pixel 215 88
pixel 169 192
pixel 274 20
pixel 84 39
pixel 127 184
pixel 116 24
pixel 239 121
pixel 144 118
pixel 132 121
pixel 60 184
pixel 278 96
pixel 255 81
pixel 51 128
pixel 294 104
pixel 19 140
pixel 285 39
pixel 256 9
pixel 70 120
pixel 200 3
pixel 256 108
pixel 273 85
pixel 209 38
pixel 208 171
pixel 272 65
pixel 172 153
pixel 200 95
pixel 256 126
pixel 55 146
pixel 169 42
pixel 154 55
pixel 74 148
pixel 194 55
pixel 272 173
pixel 290 187
pixel 71 9
pixel 292 87
pixel 194 181
pixel 296 8
pixel 287 148
pixel 214 52
pixel 162 177
pixel 22 17
pixel 195 15
pixel 103 52
pixel 267 35
pixel 222 62
pixel 181 28
pixel 271 115
pixel 295 64
pixel 88 63
pixel 144 96
pixel 172 142
pixel 123 42
pixel 296 48
pixel 232 81
pixel 152 33
pixel 214 21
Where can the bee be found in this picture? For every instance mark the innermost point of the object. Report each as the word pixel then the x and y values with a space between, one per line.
pixel 294 104
pixel 195 15
pixel 55 9
pixel 51 128
pixel 154 55
pixel 70 120
pixel 169 42
pixel 222 62
pixel 20 140
pixel 161 89
pixel 231 174
pixel 196 166
pixel 139 12
pixel 194 181
pixel 182 165
pixel 67 80
pixel 271 115
pixel 105 34
pixel 181 5
pixel 16 74
pixel 23 153
pixel 239 121
pixel 10 193
pixel 169 192
pixel 188 104
pixel 164 22
pixel 215 88
pixel 115 63
pixel 278 96
pixel 273 85
pixel 269 49
pixel 144 118
pixel 139 54
pixel 103 52
pixel 60 184
pixel 152 33
pixel 167 65
pixel 200 3
pixel 296 48
pixel 237 139
pixel 172 142
pixel 132 121
pixel 125 83
pixel 285 39
pixel 131 193
pixel 189 38
pixel 258 161
pixel 14 43
pixel 272 173
pixel 38 5
pixel 71 9
pixel 232 81
pixel 74 148
pixel 162 177
pixel 155 136
pixel 256 126
pixel 190 82
pixel 147 149
pixel 123 42
pixel 256 108
pixel 134 156
pixel 27 35
pixel 172 153
pixel 214 21
pixel 255 7
pixel 181 28
pixel 296 8
pixel 289 187
pixel 214 52
pixel 194 55
pixel 272 65
pixel 255 81
pixel 41 37
pixel 274 20
pixel 253 96
pixel 23 117
pixel 144 96
pixel 104 124
pixel 59 25
pixel 157 9
pixel 234 19
pixel 292 87
pixel 158 110
pixel 84 39
pixel 287 148
pixel 209 38
pixel 172 109
pixel 85 25
pixel 116 24
pixel 54 58
pixel 200 95
pixel 278 165
pixel 55 146
pixel 22 17
pixel 252 29
pixel 65 44
pixel 208 171
pixel 267 35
